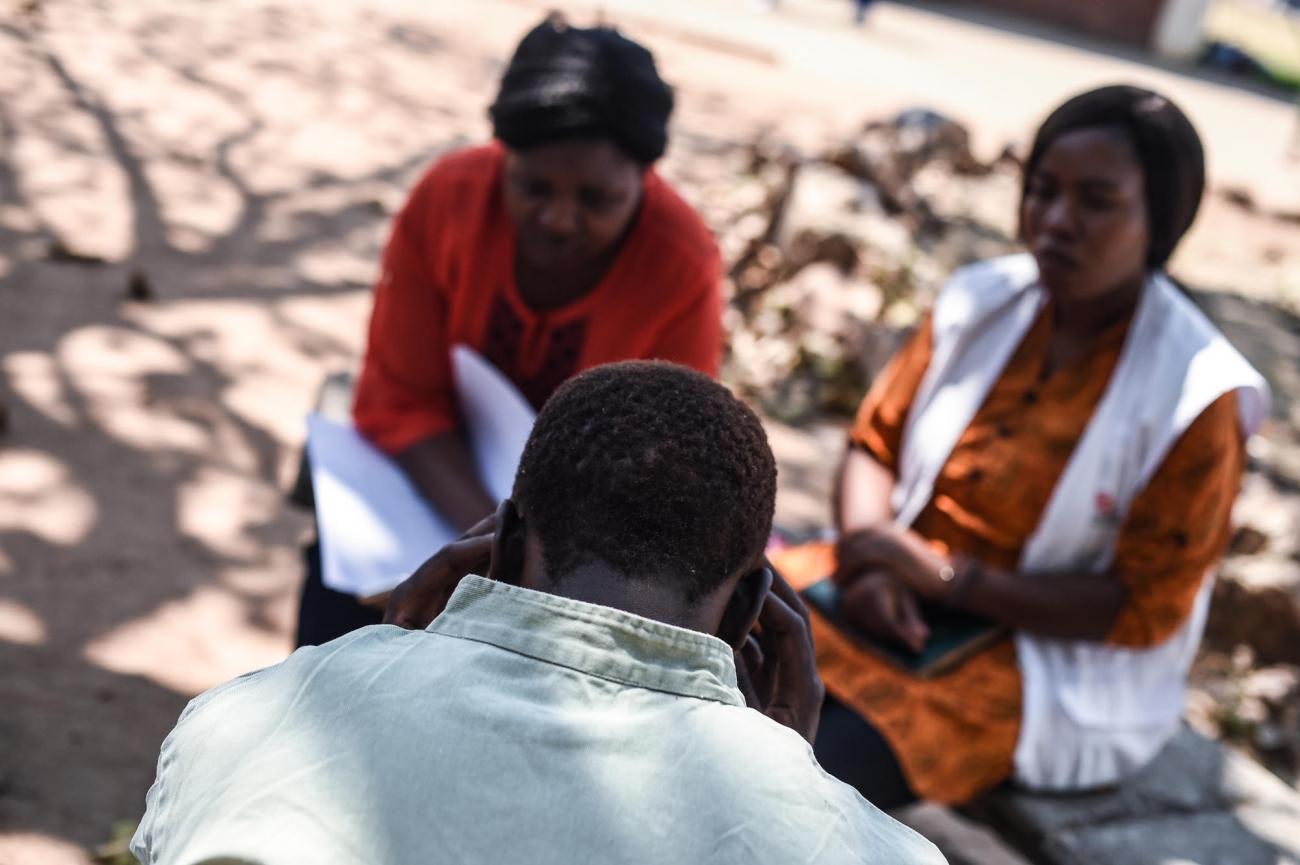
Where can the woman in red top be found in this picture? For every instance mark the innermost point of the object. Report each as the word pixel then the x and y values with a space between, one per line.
pixel 551 250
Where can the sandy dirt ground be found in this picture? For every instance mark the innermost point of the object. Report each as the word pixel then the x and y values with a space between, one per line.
pixel 193 198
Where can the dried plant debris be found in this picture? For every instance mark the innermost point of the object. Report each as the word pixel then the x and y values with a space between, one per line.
pixel 833 258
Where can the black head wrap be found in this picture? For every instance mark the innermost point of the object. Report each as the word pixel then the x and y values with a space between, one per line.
pixel 1173 161
pixel 570 82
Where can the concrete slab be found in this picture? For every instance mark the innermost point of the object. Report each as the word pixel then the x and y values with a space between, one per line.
pixel 1199 802
pixel 1213 839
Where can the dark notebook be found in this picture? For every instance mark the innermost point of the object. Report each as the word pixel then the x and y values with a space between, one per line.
pixel 954 635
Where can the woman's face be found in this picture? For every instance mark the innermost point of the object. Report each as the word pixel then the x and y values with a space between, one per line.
pixel 1084 217
pixel 570 201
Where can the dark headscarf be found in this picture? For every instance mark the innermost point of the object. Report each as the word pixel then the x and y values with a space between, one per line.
pixel 570 82
pixel 1167 146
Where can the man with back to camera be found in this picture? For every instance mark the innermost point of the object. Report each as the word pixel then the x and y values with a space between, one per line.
pixel 579 705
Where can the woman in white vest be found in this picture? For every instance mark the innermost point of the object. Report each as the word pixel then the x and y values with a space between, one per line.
pixel 1057 449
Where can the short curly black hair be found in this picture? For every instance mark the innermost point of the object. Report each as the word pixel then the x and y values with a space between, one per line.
pixel 652 469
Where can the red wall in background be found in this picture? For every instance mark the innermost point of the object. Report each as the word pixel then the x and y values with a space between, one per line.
pixel 1131 21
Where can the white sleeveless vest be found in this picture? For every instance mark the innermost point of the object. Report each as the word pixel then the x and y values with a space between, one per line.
pixel 1092 713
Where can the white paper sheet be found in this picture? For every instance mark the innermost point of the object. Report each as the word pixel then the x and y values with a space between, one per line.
pixel 375 528
pixel 497 416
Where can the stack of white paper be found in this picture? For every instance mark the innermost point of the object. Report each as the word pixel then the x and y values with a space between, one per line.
pixel 375 527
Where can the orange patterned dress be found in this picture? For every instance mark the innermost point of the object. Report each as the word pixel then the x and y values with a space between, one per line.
pixel 955 734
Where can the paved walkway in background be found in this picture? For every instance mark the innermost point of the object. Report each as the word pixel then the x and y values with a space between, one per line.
pixel 812 73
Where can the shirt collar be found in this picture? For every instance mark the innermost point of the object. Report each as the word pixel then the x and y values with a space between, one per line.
pixel 592 639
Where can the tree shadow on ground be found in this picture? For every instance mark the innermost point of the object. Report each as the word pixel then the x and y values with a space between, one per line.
pixel 158 467
pixel 109 723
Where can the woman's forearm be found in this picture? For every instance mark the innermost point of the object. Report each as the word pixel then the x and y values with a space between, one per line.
pixel 442 469
pixel 1063 606
pixel 862 492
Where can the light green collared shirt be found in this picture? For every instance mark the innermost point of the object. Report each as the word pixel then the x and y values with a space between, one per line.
pixel 520 727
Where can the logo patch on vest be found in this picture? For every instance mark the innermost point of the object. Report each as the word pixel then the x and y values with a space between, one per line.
pixel 1106 507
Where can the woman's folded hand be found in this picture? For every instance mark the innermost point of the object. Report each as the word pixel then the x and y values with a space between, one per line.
pixel 897 551
pixel 882 605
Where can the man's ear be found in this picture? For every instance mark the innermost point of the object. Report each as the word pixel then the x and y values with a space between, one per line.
pixel 743 607
pixel 508 545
